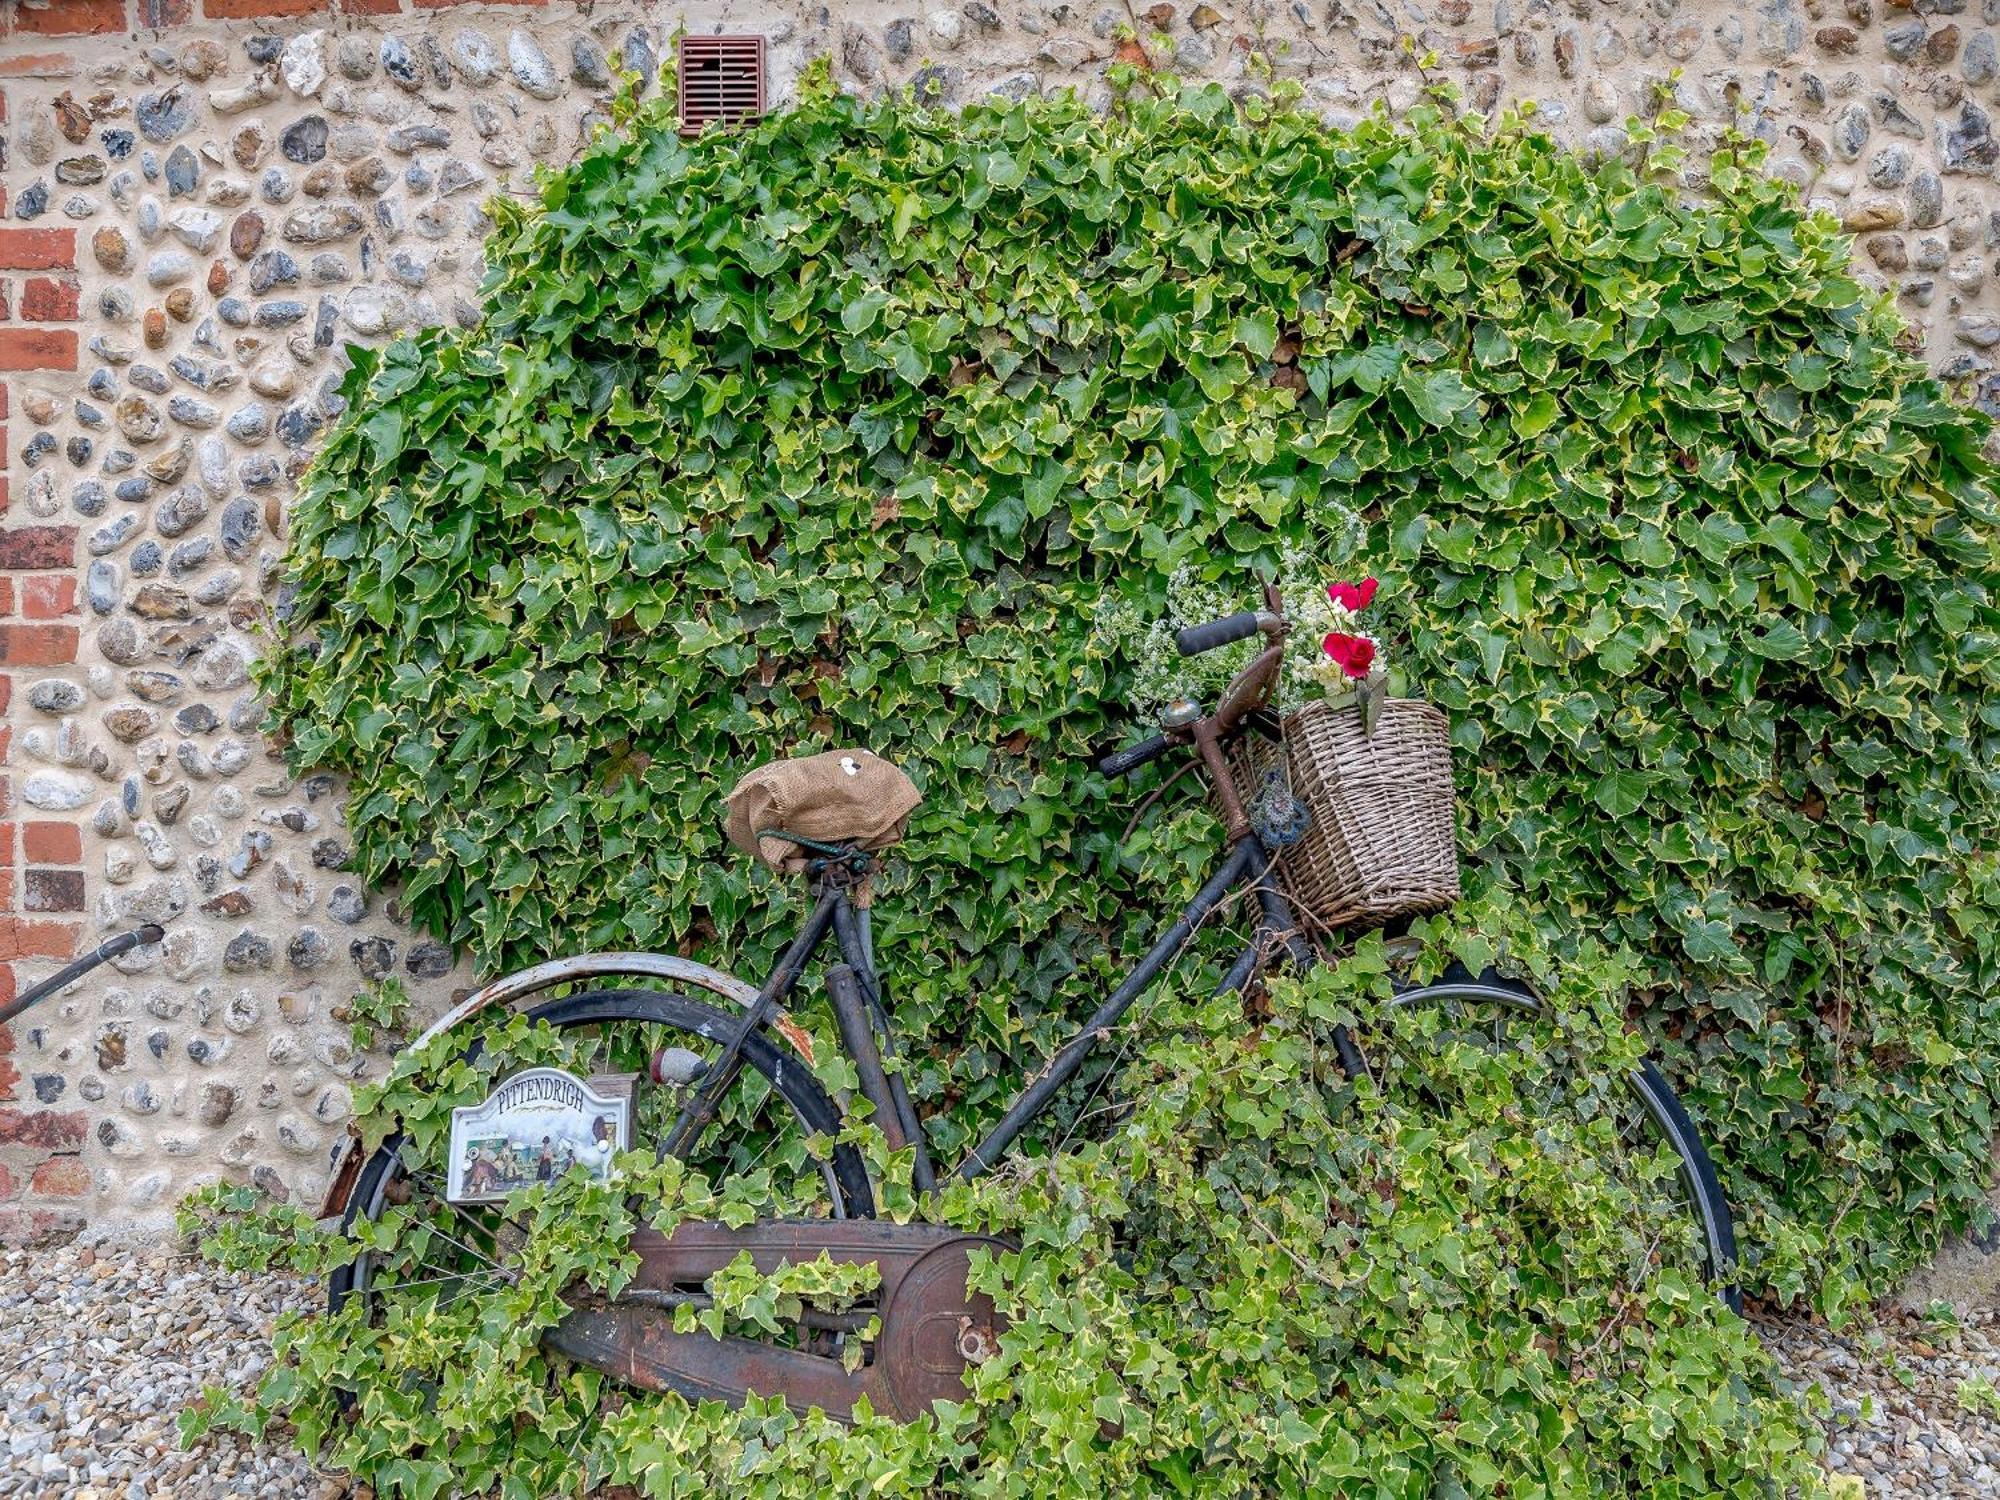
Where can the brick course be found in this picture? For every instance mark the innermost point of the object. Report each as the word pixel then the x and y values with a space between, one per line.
pixel 21 939
pixel 37 547
pixel 50 299
pixel 50 843
pixel 48 597
pixel 158 13
pixel 51 890
pixel 38 65
pixel 37 645
pixel 232 10
pixel 61 1177
pixel 38 1228
pixel 38 250
pixel 37 349
pixel 71 17
pixel 44 1129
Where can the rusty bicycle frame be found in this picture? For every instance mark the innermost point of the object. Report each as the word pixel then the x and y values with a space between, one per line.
pixel 854 988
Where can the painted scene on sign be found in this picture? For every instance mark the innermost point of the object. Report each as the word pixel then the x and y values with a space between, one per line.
pixel 532 1131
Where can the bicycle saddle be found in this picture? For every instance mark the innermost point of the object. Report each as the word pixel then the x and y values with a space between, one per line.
pixel 786 809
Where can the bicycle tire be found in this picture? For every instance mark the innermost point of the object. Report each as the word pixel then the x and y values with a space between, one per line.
pixel 781 1067
pixel 1698 1175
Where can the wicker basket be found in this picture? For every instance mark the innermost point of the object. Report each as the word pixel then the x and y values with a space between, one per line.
pixel 1381 842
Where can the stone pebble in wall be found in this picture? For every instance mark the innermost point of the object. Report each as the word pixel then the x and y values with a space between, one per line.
pixel 245 205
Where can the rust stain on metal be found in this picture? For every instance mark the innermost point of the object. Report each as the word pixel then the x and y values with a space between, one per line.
pixel 932 1329
pixel 796 1035
pixel 334 1205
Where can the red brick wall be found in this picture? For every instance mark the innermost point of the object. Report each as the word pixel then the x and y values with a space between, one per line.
pixel 43 1178
pixel 42 1175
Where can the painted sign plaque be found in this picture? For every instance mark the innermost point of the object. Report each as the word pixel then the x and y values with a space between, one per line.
pixel 533 1128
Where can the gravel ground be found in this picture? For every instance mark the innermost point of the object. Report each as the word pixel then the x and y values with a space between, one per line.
pixel 1911 1406
pixel 99 1350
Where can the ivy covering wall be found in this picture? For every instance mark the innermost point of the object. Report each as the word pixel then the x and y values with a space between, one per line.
pixel 847 427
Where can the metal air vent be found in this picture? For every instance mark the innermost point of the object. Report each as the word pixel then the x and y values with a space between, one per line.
pixel 722 80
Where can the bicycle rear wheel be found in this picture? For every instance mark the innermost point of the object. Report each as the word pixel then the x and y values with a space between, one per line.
pixel 776 1120
pixel 1636 1125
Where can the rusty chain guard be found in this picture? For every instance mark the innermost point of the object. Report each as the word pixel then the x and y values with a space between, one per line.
pixel 931 1329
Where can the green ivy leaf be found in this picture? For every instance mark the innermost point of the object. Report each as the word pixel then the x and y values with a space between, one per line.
pixel 1438 395
pixel 1620 793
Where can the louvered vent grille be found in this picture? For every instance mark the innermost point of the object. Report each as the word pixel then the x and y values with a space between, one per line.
pixel 722 79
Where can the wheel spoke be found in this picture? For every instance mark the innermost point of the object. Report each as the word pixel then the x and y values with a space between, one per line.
pixel 385 1287
pixel 1586 1114
pixel 425 1174
pixel 468 1249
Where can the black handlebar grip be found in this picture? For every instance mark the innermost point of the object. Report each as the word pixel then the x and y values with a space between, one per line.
pixel 1123 762
pixel 1199 638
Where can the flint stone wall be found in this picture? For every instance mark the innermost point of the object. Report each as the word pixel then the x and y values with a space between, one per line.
pixel 203 201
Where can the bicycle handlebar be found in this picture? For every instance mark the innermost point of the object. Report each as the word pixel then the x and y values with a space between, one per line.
pixel 104 952
pixel 1250 689
pixel 1124 762
pixel 1199 638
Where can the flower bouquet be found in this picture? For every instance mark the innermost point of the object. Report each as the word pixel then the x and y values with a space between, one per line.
pixel 1347 668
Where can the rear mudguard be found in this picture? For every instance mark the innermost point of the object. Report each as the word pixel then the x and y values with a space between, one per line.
pixel 345 1160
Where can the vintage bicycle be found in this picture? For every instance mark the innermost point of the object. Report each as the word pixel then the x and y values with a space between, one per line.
pixel 721 1083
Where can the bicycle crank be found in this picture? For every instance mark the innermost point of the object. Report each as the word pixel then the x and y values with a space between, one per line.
pixel 931 1331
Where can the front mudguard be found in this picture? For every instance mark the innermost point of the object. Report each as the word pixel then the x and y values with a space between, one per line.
pixel 344 1164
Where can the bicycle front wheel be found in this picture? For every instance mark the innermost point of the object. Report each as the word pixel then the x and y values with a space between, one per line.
pixel 1635 1125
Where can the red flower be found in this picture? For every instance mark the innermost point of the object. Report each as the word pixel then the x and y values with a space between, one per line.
pixel 1353 596
pixel 1353 654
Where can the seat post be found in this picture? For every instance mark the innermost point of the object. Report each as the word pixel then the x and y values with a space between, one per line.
pixel 851 932
pixel 857 1035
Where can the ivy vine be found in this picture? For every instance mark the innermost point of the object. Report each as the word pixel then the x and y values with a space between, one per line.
pixel 1263 1282
pixel 845 426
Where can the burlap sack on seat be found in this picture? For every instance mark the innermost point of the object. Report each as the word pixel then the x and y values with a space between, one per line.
pixel 840 796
